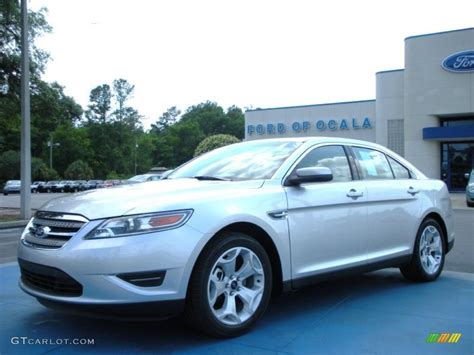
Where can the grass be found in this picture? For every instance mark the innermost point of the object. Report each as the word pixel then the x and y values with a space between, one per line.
pixel 9 218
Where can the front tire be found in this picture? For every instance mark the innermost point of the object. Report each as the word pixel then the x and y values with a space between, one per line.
pixel 230 287
pixel 428 254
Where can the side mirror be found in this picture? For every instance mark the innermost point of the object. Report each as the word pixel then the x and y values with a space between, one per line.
pixel 466 176
pixel 305 175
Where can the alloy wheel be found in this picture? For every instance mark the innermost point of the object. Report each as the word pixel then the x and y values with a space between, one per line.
pixel 431 250
pixel 235 286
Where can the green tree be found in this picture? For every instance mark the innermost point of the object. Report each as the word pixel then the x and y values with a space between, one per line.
pixel 214 142
pixel 100 103
pixel 122 92
pixel 235 122
pixel 74 144
pixel 10 42
pixel 78 170
pixel 10 73
pixel 10 165
pixel 208 115
pixel 167 119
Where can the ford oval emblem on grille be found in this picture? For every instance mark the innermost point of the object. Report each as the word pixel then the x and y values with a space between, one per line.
pixel 42 232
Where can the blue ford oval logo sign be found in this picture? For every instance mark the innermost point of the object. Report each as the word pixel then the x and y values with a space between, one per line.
pixel 462 62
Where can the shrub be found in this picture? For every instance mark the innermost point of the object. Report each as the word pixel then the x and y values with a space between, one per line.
pixel 214 142
pixel 78 170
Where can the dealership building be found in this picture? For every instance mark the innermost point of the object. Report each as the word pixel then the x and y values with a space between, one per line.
pixel 424 112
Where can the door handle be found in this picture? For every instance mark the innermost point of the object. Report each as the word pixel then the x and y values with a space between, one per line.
pixel 412 191
pixel 353 193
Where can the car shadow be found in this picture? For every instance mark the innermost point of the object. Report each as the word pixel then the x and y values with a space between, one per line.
pixel 287 317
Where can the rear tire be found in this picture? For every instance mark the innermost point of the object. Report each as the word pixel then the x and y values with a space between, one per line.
pixel 230 287
pixel 428 254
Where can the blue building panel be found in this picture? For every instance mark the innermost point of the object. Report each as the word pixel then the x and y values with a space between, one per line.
pixel 447 133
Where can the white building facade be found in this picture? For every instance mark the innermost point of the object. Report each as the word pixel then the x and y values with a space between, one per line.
pixel 424 112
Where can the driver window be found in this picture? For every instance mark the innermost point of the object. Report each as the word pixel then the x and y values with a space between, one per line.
pixel 332 157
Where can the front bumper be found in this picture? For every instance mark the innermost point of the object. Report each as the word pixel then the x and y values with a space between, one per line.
pixel 96 263
pixel 470 197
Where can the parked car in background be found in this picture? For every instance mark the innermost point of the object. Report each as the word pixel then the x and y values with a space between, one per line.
pixel 12 187
pixel 470 189
pixel 143 178
pixel 36 185
pixel 60 186
pixel 74 186
pixel 233 226
pixel 90 185
pixel 48 187
pixel 109 183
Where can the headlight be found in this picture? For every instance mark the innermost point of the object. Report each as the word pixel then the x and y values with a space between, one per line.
pixel 140 224
pixel 471 188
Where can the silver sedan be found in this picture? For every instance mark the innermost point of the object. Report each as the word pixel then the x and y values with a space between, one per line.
pixel 230 228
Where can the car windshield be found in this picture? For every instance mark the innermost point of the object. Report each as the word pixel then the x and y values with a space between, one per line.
pixel 139 178
pixel 13 182
pixel 243 161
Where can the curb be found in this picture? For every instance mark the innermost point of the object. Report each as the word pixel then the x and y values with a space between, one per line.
pixel 14 224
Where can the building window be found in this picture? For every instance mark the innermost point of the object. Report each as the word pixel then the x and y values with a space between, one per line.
pixel 396 136
pixel 454 122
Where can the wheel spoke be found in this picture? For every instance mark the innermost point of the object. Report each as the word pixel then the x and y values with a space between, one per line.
pixel 228 260
pixel 216 288
pixel 229 310
pixel 436 245
pixel 249 297
pixel 432 263
pixel 247 269
pixel 424 259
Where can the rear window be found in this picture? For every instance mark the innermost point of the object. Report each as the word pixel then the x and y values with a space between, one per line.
pixel 398 169
pixel 373 164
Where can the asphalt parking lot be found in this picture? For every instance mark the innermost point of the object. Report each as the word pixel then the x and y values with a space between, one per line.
pixel 375 313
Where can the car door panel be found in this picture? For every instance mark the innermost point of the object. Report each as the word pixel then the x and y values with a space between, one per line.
pixel 327 227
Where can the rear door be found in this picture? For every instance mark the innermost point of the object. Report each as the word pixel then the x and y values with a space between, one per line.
pixel 393 204
pixel 327 220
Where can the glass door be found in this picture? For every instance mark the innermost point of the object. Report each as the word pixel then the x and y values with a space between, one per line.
pixel 457 159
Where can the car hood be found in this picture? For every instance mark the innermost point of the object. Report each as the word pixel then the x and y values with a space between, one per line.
pixel 153 196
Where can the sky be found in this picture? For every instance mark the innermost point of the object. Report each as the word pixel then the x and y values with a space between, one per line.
pixel 249 53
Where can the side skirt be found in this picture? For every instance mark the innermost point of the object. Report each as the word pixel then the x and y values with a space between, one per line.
pixel 313 279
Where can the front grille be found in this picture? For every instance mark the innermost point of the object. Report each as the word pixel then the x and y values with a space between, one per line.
pixel 49 280
pixel 52 230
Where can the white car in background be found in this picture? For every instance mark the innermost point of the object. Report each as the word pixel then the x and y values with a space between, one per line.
pixel 230 228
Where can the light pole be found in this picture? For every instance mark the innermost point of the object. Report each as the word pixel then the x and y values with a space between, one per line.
pixel 50 145
pixel 136 147
pixel 25 161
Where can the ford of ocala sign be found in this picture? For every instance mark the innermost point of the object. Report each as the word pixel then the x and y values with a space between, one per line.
pixel 462 62
pixel 306 126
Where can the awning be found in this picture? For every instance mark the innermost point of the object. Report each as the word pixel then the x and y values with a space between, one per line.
pixel 454 133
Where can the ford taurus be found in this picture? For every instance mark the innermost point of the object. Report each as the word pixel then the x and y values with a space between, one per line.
pixel 228 229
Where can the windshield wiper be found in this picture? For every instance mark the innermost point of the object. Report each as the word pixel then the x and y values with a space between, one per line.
pixel 207 177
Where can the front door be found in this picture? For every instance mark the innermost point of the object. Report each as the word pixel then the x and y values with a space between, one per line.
pixel 327 220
